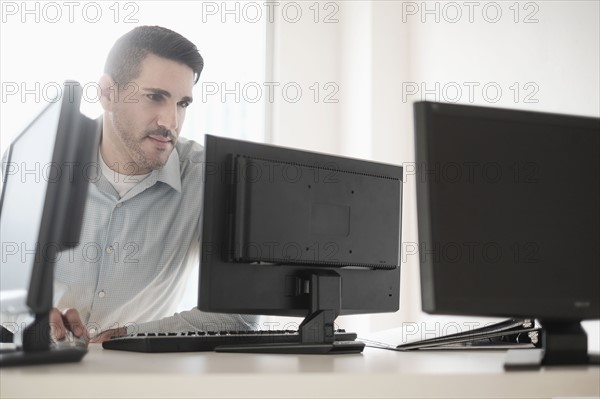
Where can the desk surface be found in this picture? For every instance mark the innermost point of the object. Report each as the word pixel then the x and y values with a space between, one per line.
pixel 375 373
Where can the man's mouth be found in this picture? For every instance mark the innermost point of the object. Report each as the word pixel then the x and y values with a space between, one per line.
pixel 160 138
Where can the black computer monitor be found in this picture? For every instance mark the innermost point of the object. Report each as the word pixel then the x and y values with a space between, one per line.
pixel 45 183
pixel 295 233
pixel 509 218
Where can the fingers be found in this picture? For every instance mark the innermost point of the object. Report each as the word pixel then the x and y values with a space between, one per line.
pixel 69 320
pixel 113 332
pixel 73 322
pixel 58 330
pixel 62 323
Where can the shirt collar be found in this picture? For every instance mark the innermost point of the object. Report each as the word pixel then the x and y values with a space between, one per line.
pixel 170 173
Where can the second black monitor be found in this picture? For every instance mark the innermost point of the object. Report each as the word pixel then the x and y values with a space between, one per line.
pixel 291 233
pixel 509 218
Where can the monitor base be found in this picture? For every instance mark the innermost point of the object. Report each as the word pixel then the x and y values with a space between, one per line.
pixel 532 359
pixel 338 347
pixel 37 348
pixel 21 358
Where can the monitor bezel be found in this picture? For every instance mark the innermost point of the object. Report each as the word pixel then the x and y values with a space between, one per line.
pixel 424 111
pixel 76 140
pixel 74 144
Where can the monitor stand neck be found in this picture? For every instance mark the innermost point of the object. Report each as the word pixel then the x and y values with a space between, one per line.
pixel 325 290
pixel 318 327
pixel 317 331
pixel 36 336
pixel 564 343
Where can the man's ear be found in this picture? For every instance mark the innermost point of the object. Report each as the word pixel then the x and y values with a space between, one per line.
pixel 108 92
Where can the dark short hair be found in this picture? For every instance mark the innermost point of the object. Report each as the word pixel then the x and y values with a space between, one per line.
pixel 124 60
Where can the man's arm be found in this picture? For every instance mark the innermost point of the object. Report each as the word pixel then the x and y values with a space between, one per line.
pixel 190 320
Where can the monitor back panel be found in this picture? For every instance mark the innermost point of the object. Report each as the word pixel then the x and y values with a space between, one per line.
pixel 273 216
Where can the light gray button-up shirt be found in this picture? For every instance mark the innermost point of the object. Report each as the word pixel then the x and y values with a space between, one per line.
pixel 136 252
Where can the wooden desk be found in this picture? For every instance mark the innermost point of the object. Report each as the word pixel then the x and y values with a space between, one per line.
pixel 375 373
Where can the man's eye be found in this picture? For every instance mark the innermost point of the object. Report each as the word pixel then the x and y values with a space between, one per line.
pixel 184 104
pixel 155 97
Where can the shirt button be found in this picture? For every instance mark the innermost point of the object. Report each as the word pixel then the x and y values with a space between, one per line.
pixel 109 249
pixel 120 204
pixel 102 294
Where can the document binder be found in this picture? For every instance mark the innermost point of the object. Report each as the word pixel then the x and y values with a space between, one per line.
pixel 508 334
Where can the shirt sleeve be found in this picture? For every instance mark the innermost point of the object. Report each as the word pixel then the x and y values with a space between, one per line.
pixel 197 320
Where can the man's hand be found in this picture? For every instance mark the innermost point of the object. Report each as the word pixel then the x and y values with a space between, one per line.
pixel 68 320
pixel 104 335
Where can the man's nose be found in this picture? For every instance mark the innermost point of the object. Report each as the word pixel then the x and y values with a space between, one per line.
pixel 168 118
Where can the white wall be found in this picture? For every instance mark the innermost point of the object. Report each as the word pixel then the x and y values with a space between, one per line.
pixel 379 51
pixel 299 120
pixel 44 43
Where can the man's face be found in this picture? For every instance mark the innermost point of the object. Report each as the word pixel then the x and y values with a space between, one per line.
pixel 148 113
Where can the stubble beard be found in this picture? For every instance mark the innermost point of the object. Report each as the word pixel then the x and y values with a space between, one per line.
pixel 133 145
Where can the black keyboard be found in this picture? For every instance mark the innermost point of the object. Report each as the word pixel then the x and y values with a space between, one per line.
pixel 203 341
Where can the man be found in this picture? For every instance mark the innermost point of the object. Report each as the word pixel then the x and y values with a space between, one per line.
pixel 141 228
